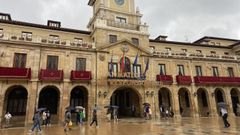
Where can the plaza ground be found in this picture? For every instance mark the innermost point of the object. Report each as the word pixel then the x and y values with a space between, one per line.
pixel 132 126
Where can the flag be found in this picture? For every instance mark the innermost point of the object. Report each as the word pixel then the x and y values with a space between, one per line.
pixel 111 66
pixel 136 60
pixel 147 67
pixel 123 63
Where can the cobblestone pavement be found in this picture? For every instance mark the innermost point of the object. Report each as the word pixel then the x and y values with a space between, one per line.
pixel 183 126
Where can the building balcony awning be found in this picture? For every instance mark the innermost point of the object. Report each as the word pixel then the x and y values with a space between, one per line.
pixel 51 75
pixel 81 75
pixel 15 73
pixel 165 79
pixel 184 80
pixel 212 80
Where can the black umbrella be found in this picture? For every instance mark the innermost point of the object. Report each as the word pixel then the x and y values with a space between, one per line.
pixel 146 104
pixel 70 108
pixel 41 109
pixel 222 104
pixel 114 106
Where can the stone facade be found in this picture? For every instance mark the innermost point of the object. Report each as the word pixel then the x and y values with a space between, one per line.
pixel 176 86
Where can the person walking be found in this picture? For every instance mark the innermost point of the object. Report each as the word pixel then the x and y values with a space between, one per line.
pixel 8 117
pixel 44 118
pixel 224 117
pixel 48 118
pixel 115 114
pixel 147 112
pixel 94 117
pixel 81 117
pixel 36 122
pixel 67 121
pixel 133 109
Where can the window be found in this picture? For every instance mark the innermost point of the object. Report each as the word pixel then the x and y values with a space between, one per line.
pixel 137 70
pixel 198 70
pixel 27 35
pixel 213 52
pixel 1 33
pixel 180 70
pixel 215 71
pixel 168 49
pixel 199 51
pixel 112 38
pixel 78 41
pixel 52 62
pixel 135 41
pixel 80 64
pixel 54 38
pixel 20 60
pixel 5 17
pixel 184 50
pixel 54 24
pixel 162 68
pixel 121 20
pixel 230 72
pixel 114 69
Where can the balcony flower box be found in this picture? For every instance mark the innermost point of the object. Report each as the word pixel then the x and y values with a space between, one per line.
pixel 81 75
pixel 212 80
pixel 183 80
pixel 165 79
pixel 15 73
pixel 51 75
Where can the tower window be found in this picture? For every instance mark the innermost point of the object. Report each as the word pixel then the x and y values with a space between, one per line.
pixel 112 38
pixel 135 41
pixel 121 20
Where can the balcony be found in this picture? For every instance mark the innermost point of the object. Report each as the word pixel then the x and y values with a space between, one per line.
pixel 165 79
pixel 51 75
pixel 211 80
pixel 15 73
pixel 81 75
pixel 183 80
pixel 113 23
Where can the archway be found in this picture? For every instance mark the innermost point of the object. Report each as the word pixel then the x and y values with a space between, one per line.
pixel 79 97
pixel 125 98
pixel 235 101
pixel 203 104
pixel 165 99
pixel 49 98
pixel 219 97
pixel 15 102
pixel 184 102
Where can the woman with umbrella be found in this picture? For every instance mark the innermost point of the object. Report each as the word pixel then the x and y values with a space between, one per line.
pixel 224 113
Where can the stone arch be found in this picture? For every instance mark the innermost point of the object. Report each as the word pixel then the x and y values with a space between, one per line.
pixel 15 102
pixel 49 97
pixel 79 97
pixel 126 97
pixel 165 98
pixel 203 102
pixel 235 100
pixel 184 102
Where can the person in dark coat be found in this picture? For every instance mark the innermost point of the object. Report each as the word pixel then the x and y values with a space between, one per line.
pixel 36 122
pixel 224 117
pixel 94 116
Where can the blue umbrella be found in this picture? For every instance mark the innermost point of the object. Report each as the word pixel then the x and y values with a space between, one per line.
pixel 41 109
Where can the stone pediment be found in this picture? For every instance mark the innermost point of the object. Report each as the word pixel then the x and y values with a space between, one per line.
pixel 124 46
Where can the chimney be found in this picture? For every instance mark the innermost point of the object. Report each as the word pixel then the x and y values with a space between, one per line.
pixel 161 38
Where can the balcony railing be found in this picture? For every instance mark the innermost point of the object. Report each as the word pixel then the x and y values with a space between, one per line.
pixel 217 80
pixel 165 79
pixel 81 75
pixel 51 75
pixel 183 80
pixel 122 25
pixel 15 73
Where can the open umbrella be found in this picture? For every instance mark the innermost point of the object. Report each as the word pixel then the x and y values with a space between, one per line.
pixel 146 104
pixel 70 108
pixel 114 106
pixel 79 107
pixel 41 109
pixel 222 104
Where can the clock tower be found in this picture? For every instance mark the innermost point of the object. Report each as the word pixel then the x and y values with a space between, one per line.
pixel 119 19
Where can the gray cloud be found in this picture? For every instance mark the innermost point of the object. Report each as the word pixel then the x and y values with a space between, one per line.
pixel 181 20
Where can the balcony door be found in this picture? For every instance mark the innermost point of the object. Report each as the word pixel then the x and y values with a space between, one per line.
pixel 20 60
pixel 52 62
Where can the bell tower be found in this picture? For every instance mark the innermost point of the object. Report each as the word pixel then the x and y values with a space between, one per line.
pixel 118 18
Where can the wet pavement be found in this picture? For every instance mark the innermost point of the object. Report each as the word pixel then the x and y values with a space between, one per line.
pixel 131 126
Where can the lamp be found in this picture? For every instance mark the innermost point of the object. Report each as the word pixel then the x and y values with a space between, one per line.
pixel 99 94
pixel 147 93
pixel 105 94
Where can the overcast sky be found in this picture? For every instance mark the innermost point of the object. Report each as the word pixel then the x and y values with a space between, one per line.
pixel 180 20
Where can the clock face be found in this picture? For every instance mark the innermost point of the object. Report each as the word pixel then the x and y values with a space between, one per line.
pixel 119 2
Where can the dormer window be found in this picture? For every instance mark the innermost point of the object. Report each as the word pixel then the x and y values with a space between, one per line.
pixel 121 20
pixel 55 24
pixel 6 17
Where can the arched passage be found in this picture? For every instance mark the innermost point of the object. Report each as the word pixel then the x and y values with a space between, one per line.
pixel 165 98
pixel 79 97
pixel 235 100
pixel 125 98
pixel 219 97
pixel 49 98
pixel 184 102
pixel 15 102
pixel 203 104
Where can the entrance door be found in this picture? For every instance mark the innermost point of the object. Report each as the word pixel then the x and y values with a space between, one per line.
pixel 235 101
pixel 126 98
pixel 184 103
pixel 203 103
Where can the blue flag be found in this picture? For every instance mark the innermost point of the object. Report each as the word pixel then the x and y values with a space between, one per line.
pixel 147 67
pixel 111 66
pixel 136 60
